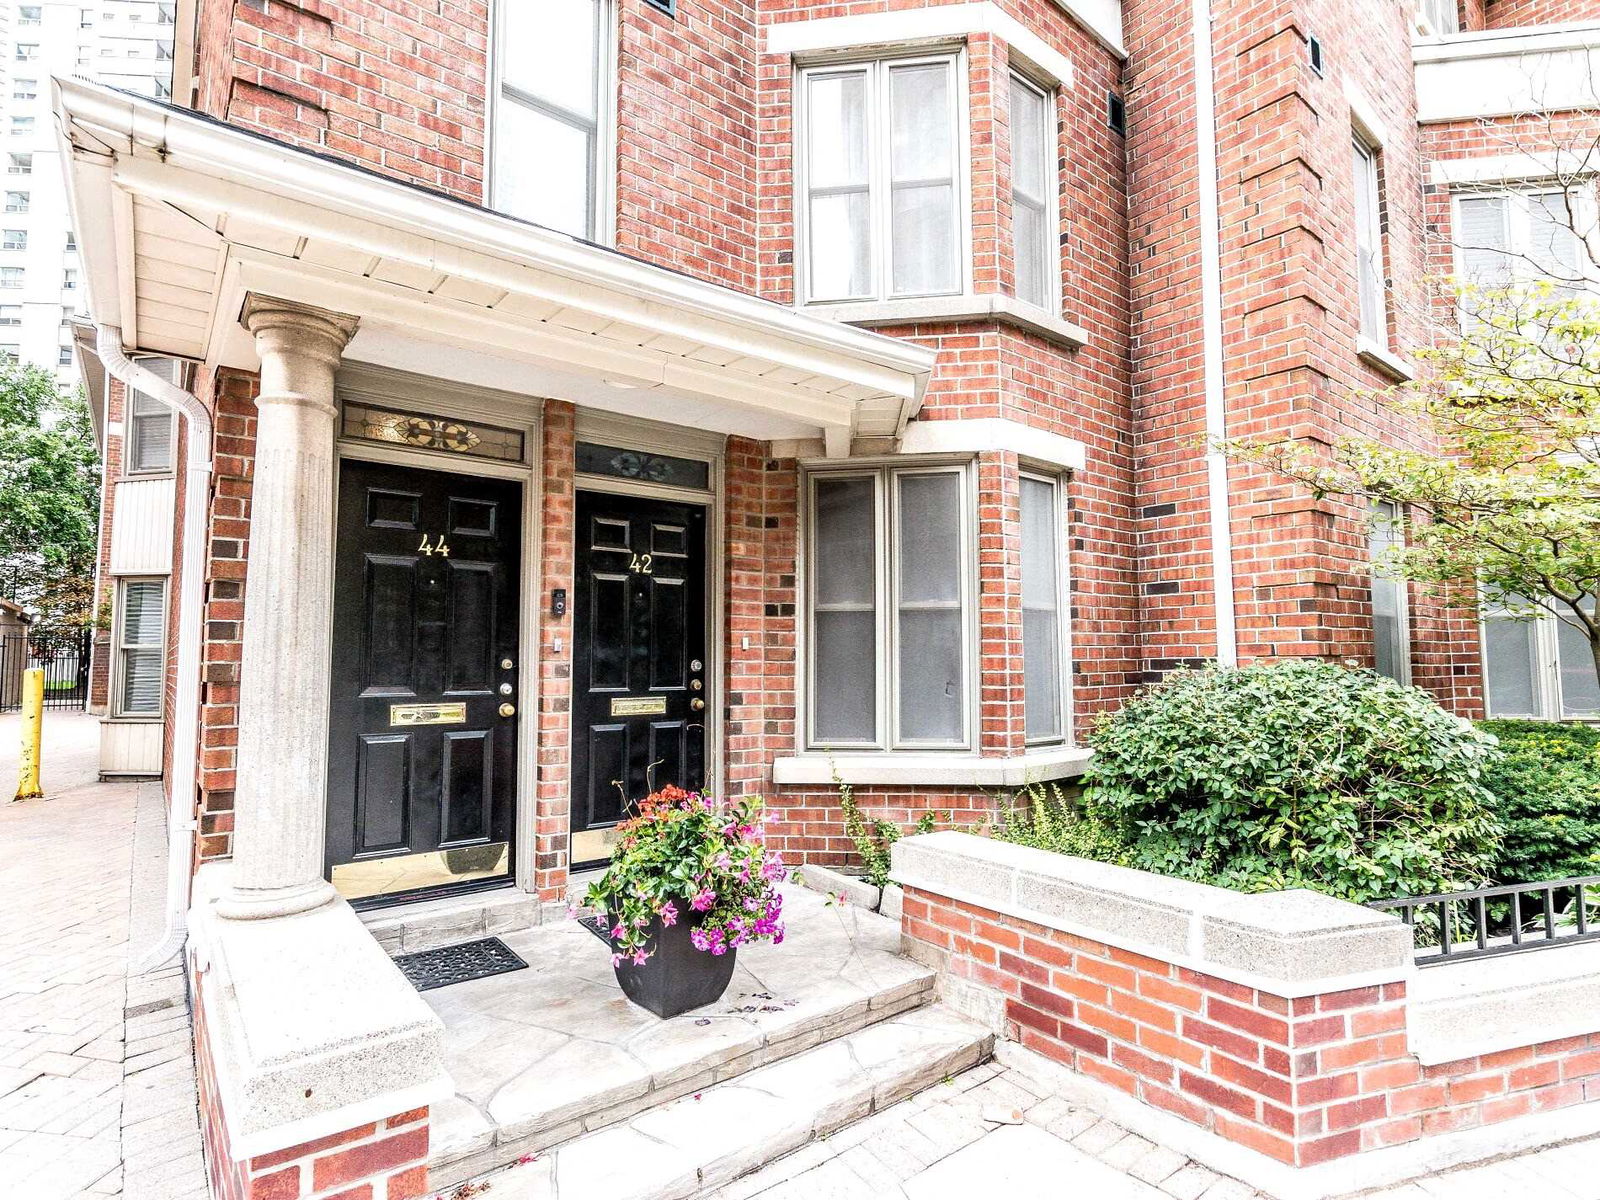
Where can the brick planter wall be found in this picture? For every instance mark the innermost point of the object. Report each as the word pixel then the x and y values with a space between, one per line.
pixel 378 1160
pixel 1278 1022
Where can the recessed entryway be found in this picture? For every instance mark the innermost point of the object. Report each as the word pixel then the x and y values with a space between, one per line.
pixel 422 775
pixel 640 663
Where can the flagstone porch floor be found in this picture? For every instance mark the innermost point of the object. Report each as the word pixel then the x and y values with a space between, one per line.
pixel 544 1055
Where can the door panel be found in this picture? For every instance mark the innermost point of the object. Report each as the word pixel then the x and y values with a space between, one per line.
pixel 422 765
pixel 640 678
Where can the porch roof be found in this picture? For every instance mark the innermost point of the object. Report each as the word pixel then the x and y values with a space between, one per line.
pixel 178 217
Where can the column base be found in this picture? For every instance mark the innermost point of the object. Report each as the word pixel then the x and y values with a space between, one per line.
pixel 253 904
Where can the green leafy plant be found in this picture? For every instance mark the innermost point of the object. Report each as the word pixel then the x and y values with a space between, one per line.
pixel 685 857
pixel 1045 817
pixel 874 840
pixel 1296 774
pixel 1546 787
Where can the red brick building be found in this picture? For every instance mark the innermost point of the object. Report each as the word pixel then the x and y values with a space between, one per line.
pixel 767 396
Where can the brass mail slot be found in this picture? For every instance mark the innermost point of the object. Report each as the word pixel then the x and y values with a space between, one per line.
pixel 638 706
pixel 427 714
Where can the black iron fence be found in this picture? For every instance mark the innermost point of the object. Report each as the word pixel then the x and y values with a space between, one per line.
pixel 1506 919
pixel 64 656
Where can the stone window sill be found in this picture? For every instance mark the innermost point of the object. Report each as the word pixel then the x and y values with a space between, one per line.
pixel 1386 361
pixel 926 770
pixel 989 306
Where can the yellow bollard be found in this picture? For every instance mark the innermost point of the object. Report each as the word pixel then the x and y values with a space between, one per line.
pixel 32 724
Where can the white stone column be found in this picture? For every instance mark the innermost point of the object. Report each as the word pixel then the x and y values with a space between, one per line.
pixel 280 796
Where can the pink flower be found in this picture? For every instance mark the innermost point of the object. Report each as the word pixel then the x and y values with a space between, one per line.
pixel 640 958
pixel 669 914
pixel 704 900
pixel 616 960
pixel 619 930
pixel 699 939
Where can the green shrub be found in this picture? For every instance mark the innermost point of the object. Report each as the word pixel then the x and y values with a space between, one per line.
pixel 1045 817
pixel 1296 774
pixel 1547 798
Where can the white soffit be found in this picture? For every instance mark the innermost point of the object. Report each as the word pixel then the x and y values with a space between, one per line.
pixel 1558 163
pixel 179 217
pixel 901 27
pixel 1508 72
pixel 977 434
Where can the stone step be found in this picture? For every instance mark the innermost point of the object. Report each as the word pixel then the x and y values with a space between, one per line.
pixel 425 925
pixel 545 1055
pixel 705 1140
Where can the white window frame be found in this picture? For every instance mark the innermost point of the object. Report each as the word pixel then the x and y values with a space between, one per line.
pixel 1429 14
pixel 1400 584
pixel 1052 199
pixel 1519 226
pixel 603 180
pixel 886 739
pixel 120 649
pixel 1365 157
pixel 130 423
pixel 19 163
pixel 1058 482
pixel 18 202
pixel 879 190
pixel 1545 670
pixel 14 239
pixel 13 278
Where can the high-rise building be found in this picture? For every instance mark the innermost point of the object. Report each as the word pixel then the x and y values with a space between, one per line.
pixel 124 43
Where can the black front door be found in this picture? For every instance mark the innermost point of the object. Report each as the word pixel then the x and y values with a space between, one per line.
pixel 639 666
pixel 423 731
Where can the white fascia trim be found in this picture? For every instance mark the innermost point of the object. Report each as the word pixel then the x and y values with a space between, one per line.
pixel 993 433
pixel 912 25
pixel 1497 43
pixel 1385 360
pixel 979 306
pixel 455 234
pixel 929 770
pixel 1512 168
pixel 1365 117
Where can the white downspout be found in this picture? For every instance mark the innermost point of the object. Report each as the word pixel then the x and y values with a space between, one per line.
pixel 186 707
pixel 1211 336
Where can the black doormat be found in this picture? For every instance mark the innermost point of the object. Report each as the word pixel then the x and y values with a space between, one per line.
pixel 596 924
pixel 428 969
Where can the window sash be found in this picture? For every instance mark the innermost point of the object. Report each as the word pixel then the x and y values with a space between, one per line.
pixel 1497 236
pixel 886 196
pixel 892 602
pixel 150 436
pixel 1391 600
pixel 140 641
pixel 1035 267
pixel 1369 243
pixel 1046 693
pixel 1549 659
pixel 519 101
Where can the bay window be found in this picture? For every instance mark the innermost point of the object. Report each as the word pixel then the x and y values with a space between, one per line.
pixel 1391 633
pixel 1515 235
pixel 1537 665
pixel 552 62
pixel 139 647
pixel 880 170
pixel 1035 251
pixel 1043 630
pixel 890 573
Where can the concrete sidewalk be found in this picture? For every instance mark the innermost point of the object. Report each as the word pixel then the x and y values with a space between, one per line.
pixel 97 1092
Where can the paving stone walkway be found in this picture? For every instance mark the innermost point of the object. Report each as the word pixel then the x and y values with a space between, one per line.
pixel 97 1094
pixel 938 1146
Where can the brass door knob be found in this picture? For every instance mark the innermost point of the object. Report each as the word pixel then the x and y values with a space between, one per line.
pixel 697 704
pixel 508 710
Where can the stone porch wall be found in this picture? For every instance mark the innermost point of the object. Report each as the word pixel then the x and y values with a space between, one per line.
pixel 1277 1022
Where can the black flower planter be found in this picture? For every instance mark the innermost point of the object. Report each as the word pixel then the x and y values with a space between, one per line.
pixel 676 977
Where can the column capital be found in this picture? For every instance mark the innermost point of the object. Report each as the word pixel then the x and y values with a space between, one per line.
pixel 285 327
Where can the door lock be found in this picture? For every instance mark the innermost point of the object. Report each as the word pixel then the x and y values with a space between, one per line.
pixel 695 685
pixel 508 710
pixel 506 689
pixel 697 704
